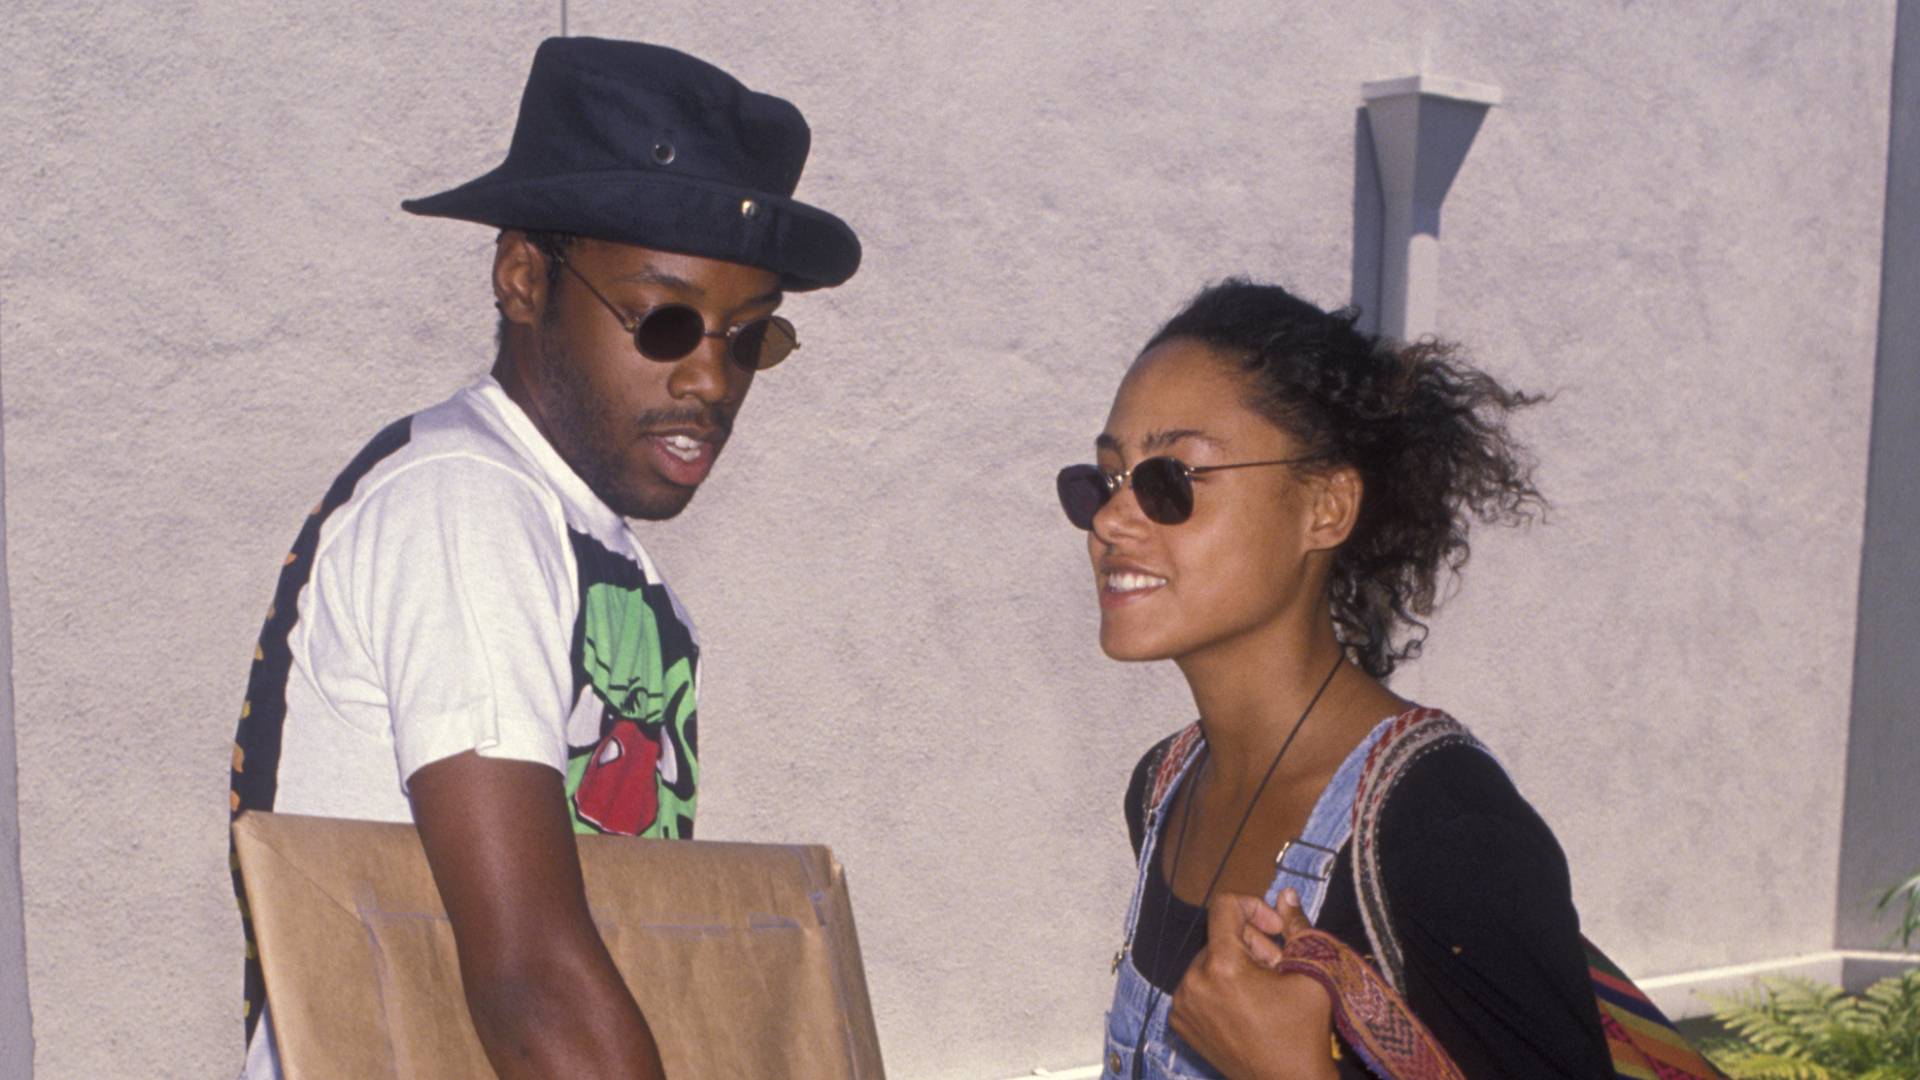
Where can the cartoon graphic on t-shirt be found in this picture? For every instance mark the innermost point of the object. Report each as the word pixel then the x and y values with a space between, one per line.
pixel 641 777
pixel 617 792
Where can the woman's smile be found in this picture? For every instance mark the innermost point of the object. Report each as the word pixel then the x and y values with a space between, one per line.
pixel 1232 563
pixel 1123 586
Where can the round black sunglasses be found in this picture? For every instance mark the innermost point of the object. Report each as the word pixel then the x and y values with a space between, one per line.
pixel 669 332
pixel 1162 485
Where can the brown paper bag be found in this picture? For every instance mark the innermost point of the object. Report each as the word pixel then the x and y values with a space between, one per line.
pixel 742 956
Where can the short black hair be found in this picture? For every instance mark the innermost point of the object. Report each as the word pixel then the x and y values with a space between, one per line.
pixel 1426 431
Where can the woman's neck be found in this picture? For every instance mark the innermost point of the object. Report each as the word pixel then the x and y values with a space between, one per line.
pixel 1251 695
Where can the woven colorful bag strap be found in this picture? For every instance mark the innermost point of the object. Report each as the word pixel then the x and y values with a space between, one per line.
pixel 1414 735
pixel 1369 1015
pixel 1643 1043
pixel 1173 761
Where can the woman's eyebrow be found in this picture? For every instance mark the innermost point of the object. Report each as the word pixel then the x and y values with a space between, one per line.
pixel 1162 440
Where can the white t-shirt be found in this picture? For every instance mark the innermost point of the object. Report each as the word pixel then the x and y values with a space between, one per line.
pixel 461 588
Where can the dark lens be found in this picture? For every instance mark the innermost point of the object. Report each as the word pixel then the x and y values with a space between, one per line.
pixel 669 332
pixel 1164 491
pixel 763 343
pixel 1083 491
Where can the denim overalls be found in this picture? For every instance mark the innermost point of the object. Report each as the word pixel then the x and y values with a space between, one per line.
pixel 1139 1013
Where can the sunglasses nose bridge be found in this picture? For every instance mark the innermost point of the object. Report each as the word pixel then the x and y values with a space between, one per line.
pixel 1121 512
pixel 706 373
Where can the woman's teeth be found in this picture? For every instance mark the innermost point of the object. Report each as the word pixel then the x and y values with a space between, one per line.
pixel 1133 582
pixel 684 448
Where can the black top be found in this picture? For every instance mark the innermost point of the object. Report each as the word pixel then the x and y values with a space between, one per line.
pixel 1478 891
pixel 1169 933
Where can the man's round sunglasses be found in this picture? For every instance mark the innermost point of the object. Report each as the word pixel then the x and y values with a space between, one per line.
pixel 670 332
pixel 1162 485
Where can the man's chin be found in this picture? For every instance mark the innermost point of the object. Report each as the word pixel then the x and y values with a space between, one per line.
pixel 659 505
pixel 635 492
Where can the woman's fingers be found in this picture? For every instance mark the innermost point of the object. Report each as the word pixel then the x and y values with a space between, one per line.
pixel 1227 914
pixel 1263 918
pixel 1260 948
pixel 1292 919
pixel 1232 916
pixel 1251 921
pixel 1262 923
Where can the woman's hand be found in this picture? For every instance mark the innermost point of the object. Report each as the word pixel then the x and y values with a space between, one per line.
pixel 1245 1019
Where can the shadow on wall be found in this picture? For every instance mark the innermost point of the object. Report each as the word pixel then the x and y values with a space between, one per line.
pixel 1368 234
pixel 1427 140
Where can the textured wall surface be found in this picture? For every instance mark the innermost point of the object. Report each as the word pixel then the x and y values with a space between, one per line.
pixel 1674 221
pixel 1881 846
pixel 16 1017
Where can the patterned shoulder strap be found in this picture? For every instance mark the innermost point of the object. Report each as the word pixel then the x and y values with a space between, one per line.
pixel 1642 1042
pixel 1417 733
pixel 1174 757
pixel 1373 1019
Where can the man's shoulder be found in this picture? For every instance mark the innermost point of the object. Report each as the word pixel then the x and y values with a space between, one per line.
pixel 469 427
pixel 448 463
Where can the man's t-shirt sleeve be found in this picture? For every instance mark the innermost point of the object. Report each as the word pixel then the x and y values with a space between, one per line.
pixel 459 583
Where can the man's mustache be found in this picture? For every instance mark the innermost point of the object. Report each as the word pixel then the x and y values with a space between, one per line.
pixel 712 419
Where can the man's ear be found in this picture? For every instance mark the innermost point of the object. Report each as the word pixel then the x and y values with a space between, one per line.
pixel 519 278
pixel 1334 508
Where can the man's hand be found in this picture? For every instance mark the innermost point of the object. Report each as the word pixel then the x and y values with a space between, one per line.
pixel 1245 1019
pixel 545 997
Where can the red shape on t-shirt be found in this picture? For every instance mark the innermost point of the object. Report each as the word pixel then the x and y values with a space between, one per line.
pixel 618 793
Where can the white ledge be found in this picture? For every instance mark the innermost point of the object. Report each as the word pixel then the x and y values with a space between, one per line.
pixel 1432 86
pixel 1687 994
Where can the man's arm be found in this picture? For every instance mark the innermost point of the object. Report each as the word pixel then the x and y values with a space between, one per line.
pixel 544 994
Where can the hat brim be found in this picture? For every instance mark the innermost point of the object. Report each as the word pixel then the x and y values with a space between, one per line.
pixel 806 246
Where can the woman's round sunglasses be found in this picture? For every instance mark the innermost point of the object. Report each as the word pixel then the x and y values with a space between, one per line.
pixel 669 332
pixel 1163 486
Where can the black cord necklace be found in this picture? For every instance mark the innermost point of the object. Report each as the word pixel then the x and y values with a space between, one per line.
pixel 1186 818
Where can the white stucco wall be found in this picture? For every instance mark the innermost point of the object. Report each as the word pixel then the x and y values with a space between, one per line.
pixel 16 1014
pixel 1880 845
pixel 1674 221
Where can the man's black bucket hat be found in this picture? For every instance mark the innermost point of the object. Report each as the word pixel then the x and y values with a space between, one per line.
pixel 645 145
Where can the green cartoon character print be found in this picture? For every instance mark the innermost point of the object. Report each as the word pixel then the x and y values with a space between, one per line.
pixel 636 670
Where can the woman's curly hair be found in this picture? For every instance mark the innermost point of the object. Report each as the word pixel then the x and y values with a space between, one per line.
pixel 1425 430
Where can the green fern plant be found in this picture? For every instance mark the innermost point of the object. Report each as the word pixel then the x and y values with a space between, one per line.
pixel 1909 891
pixel 1799 1029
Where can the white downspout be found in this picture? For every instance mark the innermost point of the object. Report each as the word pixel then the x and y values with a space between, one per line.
pixel 1422 126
